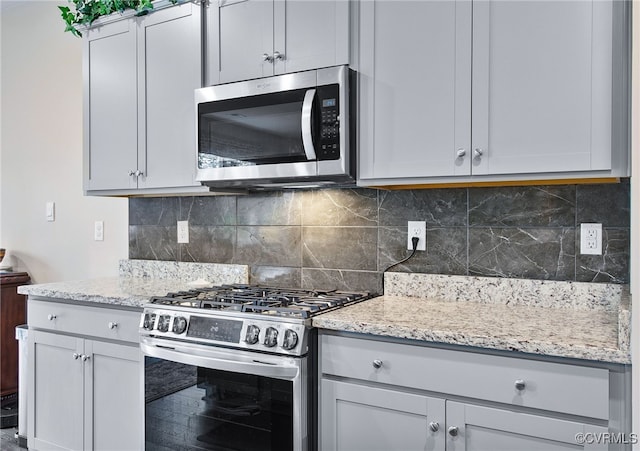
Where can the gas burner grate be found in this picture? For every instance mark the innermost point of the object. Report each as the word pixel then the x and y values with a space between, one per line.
pixel 288 302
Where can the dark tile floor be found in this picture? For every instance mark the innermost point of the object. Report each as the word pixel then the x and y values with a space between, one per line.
pixel 8 440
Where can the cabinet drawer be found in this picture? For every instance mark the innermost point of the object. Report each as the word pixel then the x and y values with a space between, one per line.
pixel 99 322
pixel 550 386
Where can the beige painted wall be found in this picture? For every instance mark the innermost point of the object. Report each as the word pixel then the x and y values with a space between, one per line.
pixel 41 154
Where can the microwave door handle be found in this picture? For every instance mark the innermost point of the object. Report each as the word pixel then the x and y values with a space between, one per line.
pixel 307 137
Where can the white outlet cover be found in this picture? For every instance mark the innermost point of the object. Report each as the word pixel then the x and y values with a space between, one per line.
pixel 183 232
pixel 98 231
pixel 591 239
pixel 419 229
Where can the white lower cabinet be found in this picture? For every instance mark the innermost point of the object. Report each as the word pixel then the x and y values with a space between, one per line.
pixel 84 391
pixel 390 396
pixel 471 427
pixel 360 417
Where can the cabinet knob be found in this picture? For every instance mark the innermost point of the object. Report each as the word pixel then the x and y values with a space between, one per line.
pixel 453 431
pixel 51 317
pixel 138 173
pixel 76 356
pixel 477 153
pixel 112 325
pixel 266 57
pixel 461 153
pixel 277 56
pixel 84 357
pixel 434 426
pixel 132 173
pixel 377 363
pixel 520 384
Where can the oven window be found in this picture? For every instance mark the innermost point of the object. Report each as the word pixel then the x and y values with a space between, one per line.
pixel 189 407
pixel 251 131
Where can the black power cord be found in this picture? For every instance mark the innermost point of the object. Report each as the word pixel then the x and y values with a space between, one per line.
pixel 414 243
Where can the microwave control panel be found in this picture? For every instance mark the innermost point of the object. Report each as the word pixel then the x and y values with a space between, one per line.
pixel 329 142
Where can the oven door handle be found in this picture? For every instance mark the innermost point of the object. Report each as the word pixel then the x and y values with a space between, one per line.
pixel 275 367
pixel 307 116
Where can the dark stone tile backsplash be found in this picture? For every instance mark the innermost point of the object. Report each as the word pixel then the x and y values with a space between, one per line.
pixel 345 238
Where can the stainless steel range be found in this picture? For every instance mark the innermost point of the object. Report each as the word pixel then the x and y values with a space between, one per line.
pixel 233 367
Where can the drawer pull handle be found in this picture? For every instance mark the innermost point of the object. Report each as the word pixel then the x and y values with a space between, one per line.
pixel 453 431
pixel 76 356
pixel 434 426
pixel 112 325
pixel 520 385
pixel 377 364
pixel 51 317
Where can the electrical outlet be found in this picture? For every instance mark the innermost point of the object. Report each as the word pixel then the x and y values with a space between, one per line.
pixel 419 229
pixel 591 239
pixel 183 232
pixel 98 231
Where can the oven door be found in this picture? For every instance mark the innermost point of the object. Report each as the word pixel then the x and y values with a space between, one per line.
pixel 202 397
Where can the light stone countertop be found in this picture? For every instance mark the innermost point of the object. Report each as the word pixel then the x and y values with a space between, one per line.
pixel 565 319
pixel 519 319
pixel 137 282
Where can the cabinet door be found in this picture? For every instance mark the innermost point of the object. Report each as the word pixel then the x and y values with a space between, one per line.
pixel 357 417
pixel 542 86
pixel 110 106
pixel 415 89
pixel 113 399
pixel 482 428
pixel 55 412
pixel 240 33
pixel 310 34
pixel 170 68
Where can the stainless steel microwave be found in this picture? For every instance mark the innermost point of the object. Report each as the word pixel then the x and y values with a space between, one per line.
pixel 282 131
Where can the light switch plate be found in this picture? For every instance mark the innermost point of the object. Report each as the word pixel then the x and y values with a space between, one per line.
pixel 51 211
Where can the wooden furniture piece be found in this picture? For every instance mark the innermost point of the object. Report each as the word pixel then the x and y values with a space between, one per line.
pixel 12 314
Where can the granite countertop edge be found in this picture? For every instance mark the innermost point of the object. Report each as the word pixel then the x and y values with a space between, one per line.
pixel 493 339
pixel 461 339
pixel 115 291
pixel 138 281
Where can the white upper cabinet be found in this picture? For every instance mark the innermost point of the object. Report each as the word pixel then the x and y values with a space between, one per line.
pixel 140 74
pixel 110 106
pixel 542 86
pixel 491 90
pixel 256 38
pixel 170 68
pixel 415 88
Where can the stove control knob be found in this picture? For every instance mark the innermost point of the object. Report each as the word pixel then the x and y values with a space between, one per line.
pixel 290 339
pixel 163 323
pixel 271 337
pixel 252 334
pixel 149 319
pixel 179 324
